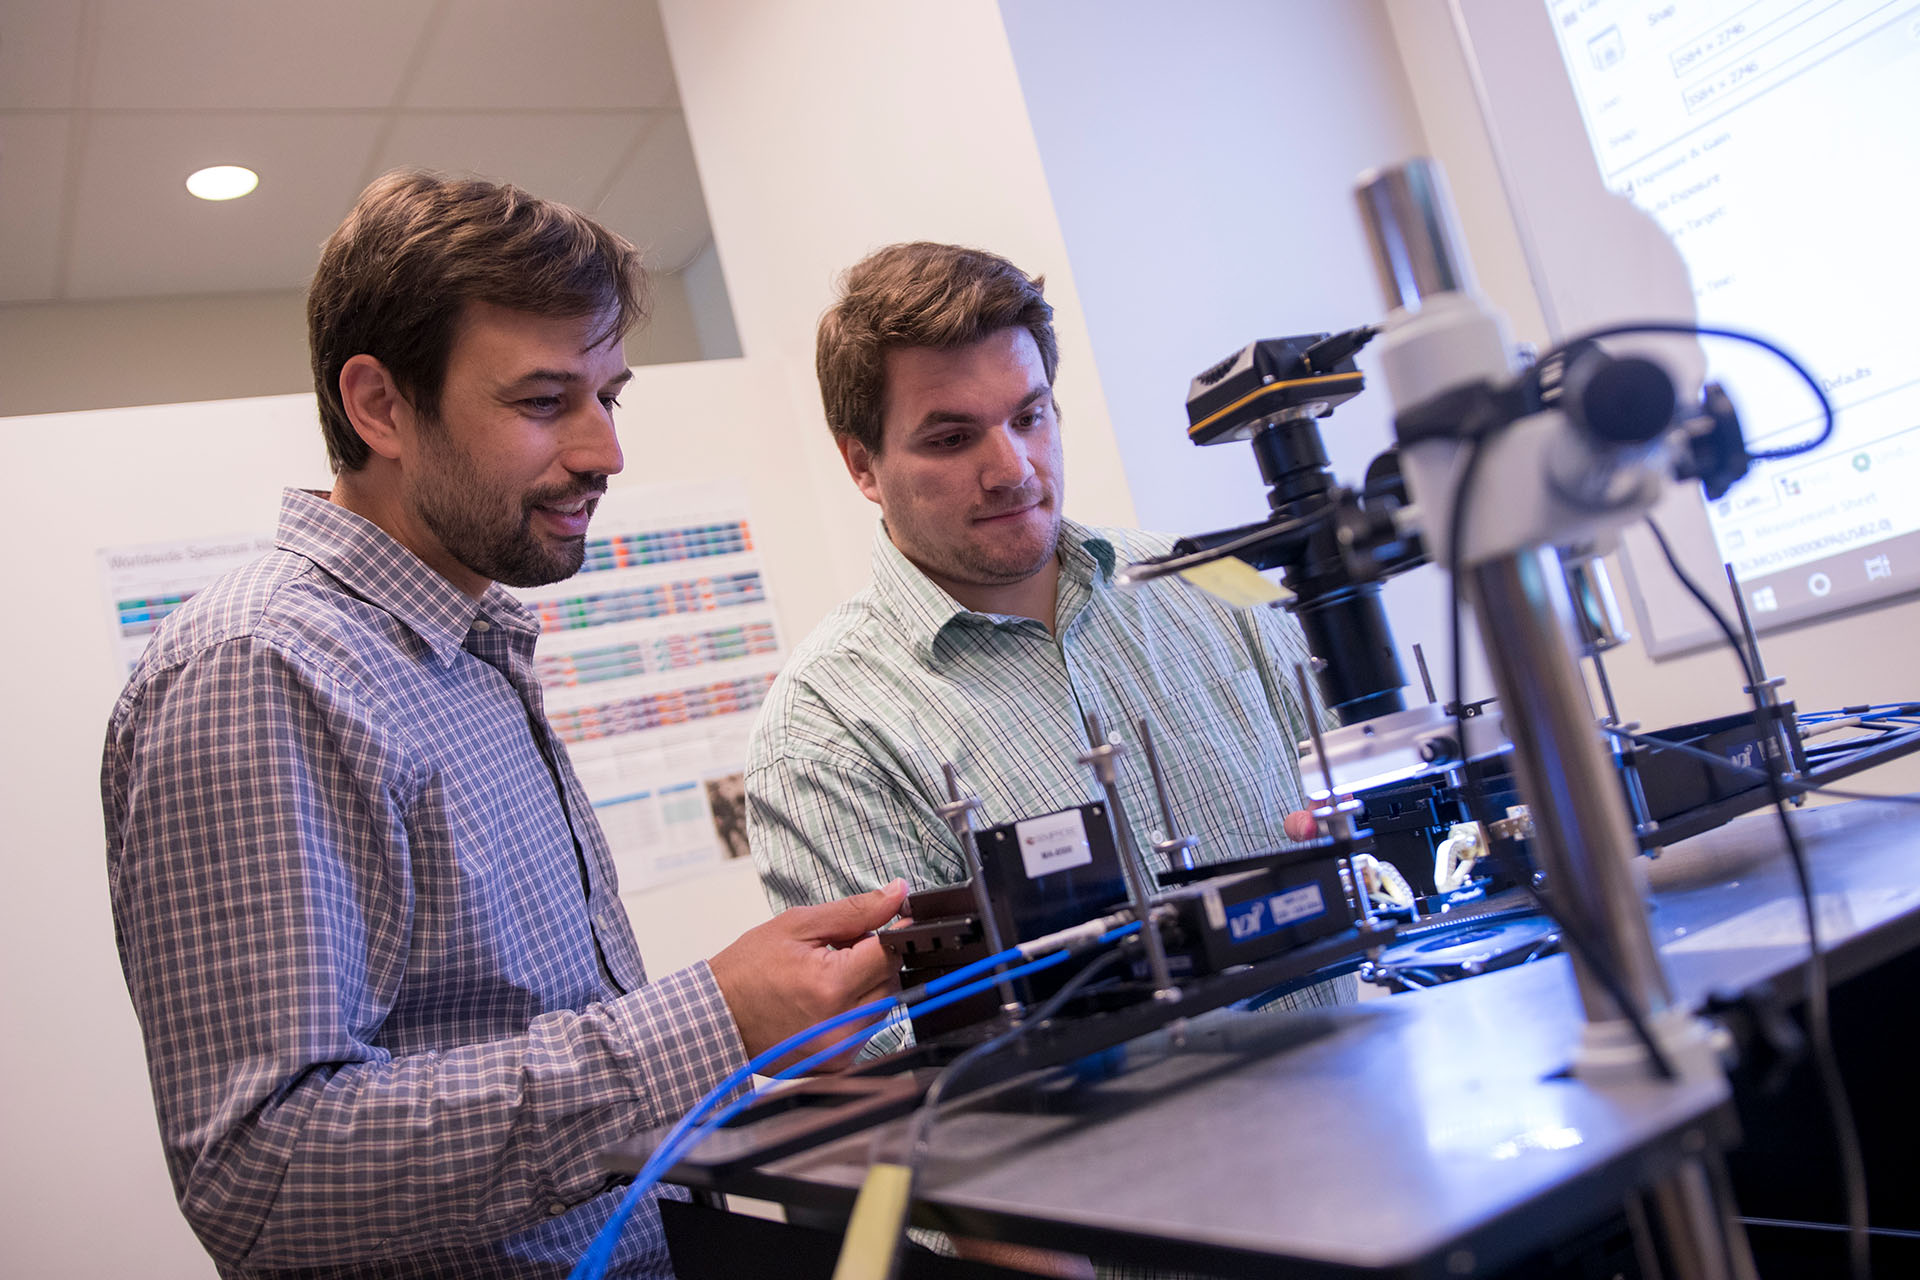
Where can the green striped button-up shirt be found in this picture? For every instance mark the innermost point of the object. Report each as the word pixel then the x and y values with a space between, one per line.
pixel 844 774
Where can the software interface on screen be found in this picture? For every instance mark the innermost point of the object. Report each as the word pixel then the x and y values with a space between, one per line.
pixel 1778 143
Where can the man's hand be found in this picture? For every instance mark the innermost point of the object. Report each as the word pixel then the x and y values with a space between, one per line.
pixel 807 964
pixel 1300 825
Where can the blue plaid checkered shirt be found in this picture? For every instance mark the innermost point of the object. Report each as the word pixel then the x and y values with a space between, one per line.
pixel 392 1005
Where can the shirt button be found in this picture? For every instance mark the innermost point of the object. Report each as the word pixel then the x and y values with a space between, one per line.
pixel 556 1208
pixel 481 624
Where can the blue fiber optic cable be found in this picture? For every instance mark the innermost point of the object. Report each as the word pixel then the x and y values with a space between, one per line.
pixel 697 1123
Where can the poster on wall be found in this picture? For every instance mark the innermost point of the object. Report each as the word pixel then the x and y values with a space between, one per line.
pixel 654 660
pixel 146 583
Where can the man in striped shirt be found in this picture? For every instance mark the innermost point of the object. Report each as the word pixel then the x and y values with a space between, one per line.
pixel 994 625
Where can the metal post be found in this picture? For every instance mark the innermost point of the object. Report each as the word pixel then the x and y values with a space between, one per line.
pixel 1696 1234
pixel 1582 835
pixel 1585 843
pixel 1177 849
pixel 1765 689
pixel 1426 677
pixel 1339 816
pixel 1102 757
pixel 1582 832
pixel 1624 750
pixel 958 812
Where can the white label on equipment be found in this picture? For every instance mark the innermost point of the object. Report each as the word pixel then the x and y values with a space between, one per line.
pixel 1297 904
pixel 1053 843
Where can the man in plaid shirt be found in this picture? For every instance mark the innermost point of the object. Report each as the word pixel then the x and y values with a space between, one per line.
pixel 392 1006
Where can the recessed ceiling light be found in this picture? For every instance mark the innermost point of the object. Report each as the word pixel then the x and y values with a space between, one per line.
pixel 222 182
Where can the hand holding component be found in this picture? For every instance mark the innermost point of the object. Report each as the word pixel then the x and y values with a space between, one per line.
pixel 807 964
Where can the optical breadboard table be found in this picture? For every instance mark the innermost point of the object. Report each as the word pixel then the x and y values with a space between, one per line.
pixel 1429 1134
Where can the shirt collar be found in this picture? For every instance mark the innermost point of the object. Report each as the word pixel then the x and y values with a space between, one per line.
pixel 924 611
pixel 368 562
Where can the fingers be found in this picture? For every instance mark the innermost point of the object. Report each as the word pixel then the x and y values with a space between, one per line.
pixel 849 917
pixel 807 964
pixel 877 976
pixel 1300 825
pixel 865 968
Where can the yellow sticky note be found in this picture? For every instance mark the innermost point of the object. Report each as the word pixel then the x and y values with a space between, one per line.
pixel 1236 582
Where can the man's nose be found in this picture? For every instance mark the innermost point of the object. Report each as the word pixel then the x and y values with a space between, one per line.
pixel 1005 464
pixel 593 443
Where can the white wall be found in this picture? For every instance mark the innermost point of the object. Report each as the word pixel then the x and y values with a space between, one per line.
pixel 818 139
pixel 672 333
pixel 58 356
pixel 825 131
pixel 1202 158
pixel 1195 230
pixel 706 290
pixel 83 1191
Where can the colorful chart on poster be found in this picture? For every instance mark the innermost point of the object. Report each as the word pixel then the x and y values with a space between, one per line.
pixel 146 583
pixel 653 660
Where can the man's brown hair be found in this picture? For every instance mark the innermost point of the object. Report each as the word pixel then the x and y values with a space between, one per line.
pixel 395 279
pixel 918 295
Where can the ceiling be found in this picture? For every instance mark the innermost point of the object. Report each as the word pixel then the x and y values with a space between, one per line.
pixel 107 105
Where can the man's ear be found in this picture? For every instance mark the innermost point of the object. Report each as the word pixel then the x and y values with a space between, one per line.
pixel 859 460
pixel 379 413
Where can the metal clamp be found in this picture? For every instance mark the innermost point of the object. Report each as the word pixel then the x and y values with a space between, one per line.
pixel 1517 825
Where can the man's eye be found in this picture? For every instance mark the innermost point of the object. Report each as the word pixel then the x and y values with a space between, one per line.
pixel 611 401
pixel 953 441
pixel 540 404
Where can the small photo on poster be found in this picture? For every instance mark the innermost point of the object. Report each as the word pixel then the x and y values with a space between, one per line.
pixel 727 797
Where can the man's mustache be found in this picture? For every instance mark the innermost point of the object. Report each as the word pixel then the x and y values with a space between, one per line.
pixel 567 493
pixel 1026 498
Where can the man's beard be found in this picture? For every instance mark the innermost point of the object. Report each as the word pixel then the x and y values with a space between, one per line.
pixel 480 529
pixel 979 564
